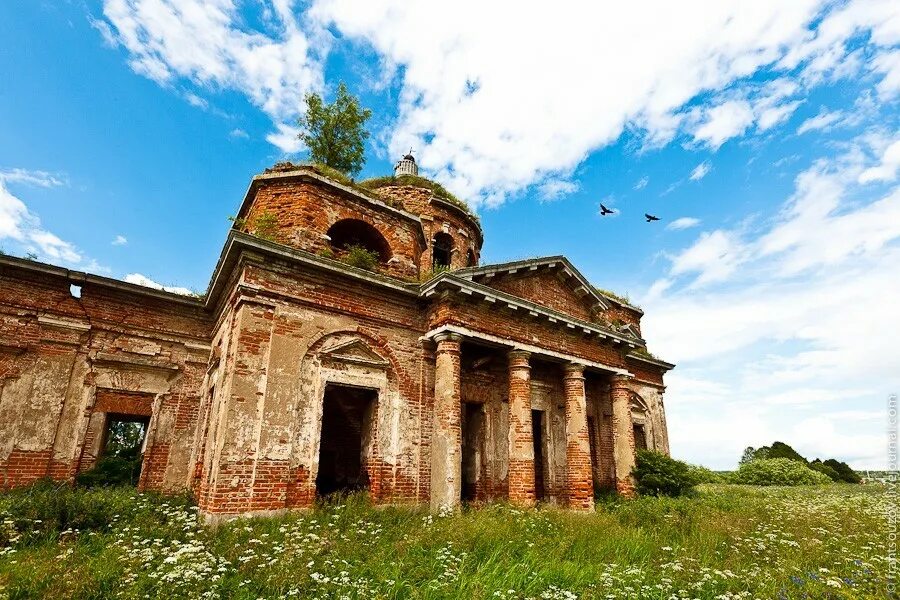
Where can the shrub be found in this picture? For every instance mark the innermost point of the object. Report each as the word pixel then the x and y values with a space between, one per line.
pixel 661 475
pixel 112 470
pixel 266 226
pixel 360 257
pixel 844 471
pixel 703 475
pixel 818 465
pixel 778 471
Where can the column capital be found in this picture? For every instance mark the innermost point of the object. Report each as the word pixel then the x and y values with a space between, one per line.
pixel 619 380
pixel 573 370
pixel 447 336
pixel 519 359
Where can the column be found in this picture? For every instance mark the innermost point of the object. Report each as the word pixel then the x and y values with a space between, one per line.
pixel 579 477
pixel 446 440
pixel 623 435
pixel 521 446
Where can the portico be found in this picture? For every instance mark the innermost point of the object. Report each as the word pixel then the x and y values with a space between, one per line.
pixel 525 424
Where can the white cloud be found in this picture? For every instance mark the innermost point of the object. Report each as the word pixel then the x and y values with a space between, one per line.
pixel 700 171
pixel 714 257
pixel 238 133
pixel 887 170
pixel 195 100
pixel 209 43
pixel 786 327
pixel 120 240
pixel 22 227
pixel 723 122
pixel 683 223
pixel 285 138
pixel 37 178
pixel 888 65
pixel 469 100
pixel 824 120
pixel 759 106
pixel 554 189
pixel 642 183
pixel 138 279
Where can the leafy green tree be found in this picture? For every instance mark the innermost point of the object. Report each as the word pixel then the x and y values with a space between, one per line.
pixel 843 470
pixel 335 133
pixel 782 450
pixel 748 455
pixel 818 465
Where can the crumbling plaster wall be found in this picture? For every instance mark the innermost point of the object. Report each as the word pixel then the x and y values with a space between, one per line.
pixel 654 418
pixel 290 333
pixel 59 350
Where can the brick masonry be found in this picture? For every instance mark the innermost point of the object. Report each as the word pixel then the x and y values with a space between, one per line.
pixel 234 384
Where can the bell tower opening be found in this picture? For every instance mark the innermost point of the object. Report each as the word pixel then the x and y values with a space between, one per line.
pixel 347 233
pixel 441 251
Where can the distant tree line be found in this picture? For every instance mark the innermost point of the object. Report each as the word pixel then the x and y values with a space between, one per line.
pixel 836 470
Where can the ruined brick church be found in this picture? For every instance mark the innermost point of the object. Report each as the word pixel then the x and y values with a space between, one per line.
pixel 424 378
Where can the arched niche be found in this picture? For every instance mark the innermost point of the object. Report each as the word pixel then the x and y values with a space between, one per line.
pixel 353 232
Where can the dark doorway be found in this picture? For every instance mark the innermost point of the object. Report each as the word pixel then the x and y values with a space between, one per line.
pixel 472 437
pixel 537 438
pixel 346 432
pixel 640 437
pixel 592 443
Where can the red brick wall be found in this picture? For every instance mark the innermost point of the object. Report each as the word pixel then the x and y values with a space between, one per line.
pixel 465 233
pixel 305 211
pixel 546 289
pixel 389 322
pixel 645 371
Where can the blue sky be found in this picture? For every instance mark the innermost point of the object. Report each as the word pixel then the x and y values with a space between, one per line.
pixel 765 136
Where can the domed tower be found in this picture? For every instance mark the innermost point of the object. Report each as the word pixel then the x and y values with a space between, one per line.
pixel 320 210
pixel 453 233
pixel 406 166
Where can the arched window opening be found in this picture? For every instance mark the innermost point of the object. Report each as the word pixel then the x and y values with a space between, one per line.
pixel 353 232
pixel 441 251
pixel 471 261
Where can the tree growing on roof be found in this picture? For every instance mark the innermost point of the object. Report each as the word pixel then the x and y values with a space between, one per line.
pixel 335 133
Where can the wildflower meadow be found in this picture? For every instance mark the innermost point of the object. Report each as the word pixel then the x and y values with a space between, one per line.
pixel 725 542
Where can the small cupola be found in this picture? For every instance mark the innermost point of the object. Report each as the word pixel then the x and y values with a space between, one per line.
pixel 406 166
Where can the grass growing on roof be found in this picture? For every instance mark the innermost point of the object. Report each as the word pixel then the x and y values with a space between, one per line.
pixel 414 180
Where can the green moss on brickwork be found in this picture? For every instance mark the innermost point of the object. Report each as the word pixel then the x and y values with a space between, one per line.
pixel 645 353
pixel 413 180
pixel 334 175
pixel 614 296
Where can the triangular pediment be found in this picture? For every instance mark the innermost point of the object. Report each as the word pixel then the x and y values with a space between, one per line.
pixel 354 351
pixel 550 282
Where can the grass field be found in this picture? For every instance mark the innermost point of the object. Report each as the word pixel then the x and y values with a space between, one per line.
pixel 726 542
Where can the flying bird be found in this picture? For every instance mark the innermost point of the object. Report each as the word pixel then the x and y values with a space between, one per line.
pixel 650 217
pixel 605 211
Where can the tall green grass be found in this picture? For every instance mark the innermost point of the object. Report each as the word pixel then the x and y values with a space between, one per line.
pixel 725 542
